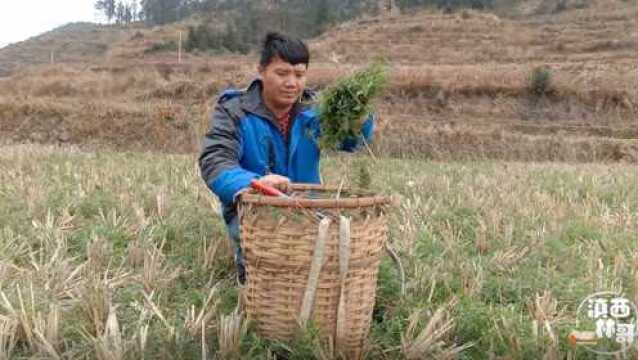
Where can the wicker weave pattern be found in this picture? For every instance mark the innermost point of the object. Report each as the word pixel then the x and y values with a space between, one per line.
pixel 278 247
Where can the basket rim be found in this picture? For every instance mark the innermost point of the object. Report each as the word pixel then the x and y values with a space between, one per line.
pixel 255 198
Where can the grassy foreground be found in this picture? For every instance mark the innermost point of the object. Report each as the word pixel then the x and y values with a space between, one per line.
pixel 122 256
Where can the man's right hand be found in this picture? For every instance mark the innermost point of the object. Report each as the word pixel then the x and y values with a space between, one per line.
pixel 278 181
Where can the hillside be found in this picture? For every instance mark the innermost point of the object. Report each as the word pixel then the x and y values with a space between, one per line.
pixel 460 86
pixel 72 43
pixel 462 81
pixel 607 33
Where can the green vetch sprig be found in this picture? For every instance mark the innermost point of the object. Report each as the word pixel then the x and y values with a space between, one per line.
pixel 344 106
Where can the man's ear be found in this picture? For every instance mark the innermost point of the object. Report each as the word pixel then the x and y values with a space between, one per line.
pixel 261 70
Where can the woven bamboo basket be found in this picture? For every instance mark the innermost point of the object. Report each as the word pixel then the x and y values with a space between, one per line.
pixel 294 276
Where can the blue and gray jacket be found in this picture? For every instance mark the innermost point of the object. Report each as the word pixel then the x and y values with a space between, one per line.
pixel 244 143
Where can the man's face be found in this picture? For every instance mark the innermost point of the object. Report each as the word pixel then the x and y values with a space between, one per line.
pixel 283 82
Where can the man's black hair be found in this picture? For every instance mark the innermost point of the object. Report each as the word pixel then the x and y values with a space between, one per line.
pixel 288 49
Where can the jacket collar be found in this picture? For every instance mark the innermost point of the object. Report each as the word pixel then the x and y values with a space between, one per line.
pixel 253 102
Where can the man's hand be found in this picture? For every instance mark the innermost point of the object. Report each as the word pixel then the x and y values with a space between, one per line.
pixel 274 180
pixel 278 181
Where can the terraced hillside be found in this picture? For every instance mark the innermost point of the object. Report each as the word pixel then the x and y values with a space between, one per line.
pixel 461 86
pixel 462 82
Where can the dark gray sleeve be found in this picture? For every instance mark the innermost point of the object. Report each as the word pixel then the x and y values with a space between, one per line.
pixel 221 145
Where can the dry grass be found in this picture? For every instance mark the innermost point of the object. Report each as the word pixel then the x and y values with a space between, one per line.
pixel 431 342
pixel 64 286
pixel 230 332
pixel 86 259
pixel 156 273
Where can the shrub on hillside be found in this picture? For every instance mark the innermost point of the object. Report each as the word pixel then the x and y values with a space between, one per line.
pixel 204 38
pixel 448 6
pixel 162 46
pixel 540 81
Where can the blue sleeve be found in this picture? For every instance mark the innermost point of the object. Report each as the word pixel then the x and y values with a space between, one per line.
pixel 229 182
pixel 221 153
pixel 367 132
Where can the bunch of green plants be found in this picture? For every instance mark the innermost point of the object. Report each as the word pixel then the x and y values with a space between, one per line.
pixel 540 81
pixel 344 106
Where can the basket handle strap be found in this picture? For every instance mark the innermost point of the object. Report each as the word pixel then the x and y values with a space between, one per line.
pixel 315 271
pixel 344 259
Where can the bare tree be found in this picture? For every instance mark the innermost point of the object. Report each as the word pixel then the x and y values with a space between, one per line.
pixel 134 11
pixel 107 7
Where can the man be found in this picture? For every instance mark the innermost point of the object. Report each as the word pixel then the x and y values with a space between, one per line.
pixel 268 132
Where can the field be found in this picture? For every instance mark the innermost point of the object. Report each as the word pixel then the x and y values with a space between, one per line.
pixel 510 142
pixel 115 255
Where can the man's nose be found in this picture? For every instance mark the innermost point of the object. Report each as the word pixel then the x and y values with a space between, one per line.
pixel 289 82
